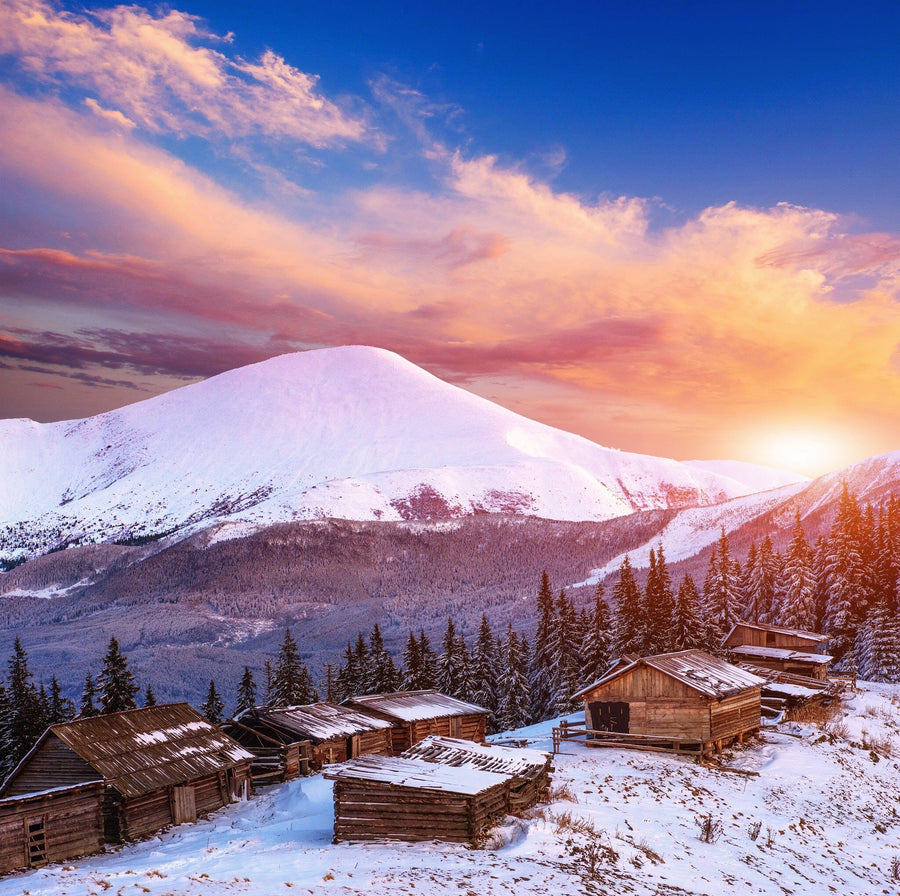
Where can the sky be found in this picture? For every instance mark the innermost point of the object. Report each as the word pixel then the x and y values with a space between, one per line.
pixel 672 228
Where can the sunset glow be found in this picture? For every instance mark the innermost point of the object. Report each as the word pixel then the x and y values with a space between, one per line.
pixel 189 190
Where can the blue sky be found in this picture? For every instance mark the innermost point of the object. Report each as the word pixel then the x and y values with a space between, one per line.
pixel 672 228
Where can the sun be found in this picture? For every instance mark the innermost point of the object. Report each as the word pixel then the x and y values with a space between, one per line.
pixel 810 450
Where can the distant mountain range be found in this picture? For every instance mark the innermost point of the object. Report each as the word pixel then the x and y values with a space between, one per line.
pixel 350 433
pixel 331 489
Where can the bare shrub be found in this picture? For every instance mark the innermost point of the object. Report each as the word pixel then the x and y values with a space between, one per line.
pixel 591 857
pixel 566 821
pixel 838 730
pixel 562 793
pixel 879 746
pixel 643 846
pixel 710 828
pixel 895 868
pixel 817 713
pixel 754 829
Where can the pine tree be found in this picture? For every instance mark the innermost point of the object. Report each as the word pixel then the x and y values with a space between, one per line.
pixel 540 676
pixel 796 584
pixel 688 631
pixel 269 676
pixel 213 707
pixel 596 645
pixel 412 664
pixel 149 697
pixel 453 676
pixel 513 709
pixel 384 676
pixel 659 604
pixel 564 644
pixel 246 695
pixel 87 707
pixel 26 714
pixel 630 633
pixel 485 673
pixel 760 575
pixel 878 644
pixel 429 677
pixel 60 709
pixel 118 688
pixel 292 684
pixel 722 594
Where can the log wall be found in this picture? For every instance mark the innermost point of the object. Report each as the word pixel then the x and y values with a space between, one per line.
pixel 379 741
pixel 50 827
pixel 52 765
pixel 735 716
pixel 374 811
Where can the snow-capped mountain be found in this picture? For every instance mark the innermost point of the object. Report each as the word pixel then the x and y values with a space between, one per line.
pixel 354 433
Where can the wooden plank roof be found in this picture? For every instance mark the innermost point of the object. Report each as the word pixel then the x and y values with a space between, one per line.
pixel 416 773
pixel 142 750
pixel 815 637
pixel 700 671
pixel 316 721
pixel 416 706
pixel 460 753
pixel 781 653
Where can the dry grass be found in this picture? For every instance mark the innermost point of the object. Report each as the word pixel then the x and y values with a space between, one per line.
pixel 566 822
pixel 562 793
pixel 818 713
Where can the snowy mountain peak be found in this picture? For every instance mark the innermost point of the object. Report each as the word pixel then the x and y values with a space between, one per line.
pixel 352 432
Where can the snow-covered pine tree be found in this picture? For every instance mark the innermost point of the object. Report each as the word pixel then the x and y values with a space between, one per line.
pixel 451 666
pixel 540 675
pixel 878 644
pixel 246 693
pixel 384 678
pixel 564 645
pixel 485 673
pixel 597 642
pixel 688 631
pixel 292 684
pixel 213 707
pixel 118 688
pixel 513 710
pixel 87 707
pixel 629 626
pixel 412 664
pixel 796 583
pixel 149 697
pixel 659 603
pixel 429 677
pixel 848 580
pixel 722 596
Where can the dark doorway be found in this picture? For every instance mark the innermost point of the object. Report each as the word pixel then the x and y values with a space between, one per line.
pixel 610 717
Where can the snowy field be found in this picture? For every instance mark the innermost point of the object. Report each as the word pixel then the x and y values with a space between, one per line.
pixel 820 817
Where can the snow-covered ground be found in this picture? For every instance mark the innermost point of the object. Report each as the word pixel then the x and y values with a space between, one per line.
pixel 820 817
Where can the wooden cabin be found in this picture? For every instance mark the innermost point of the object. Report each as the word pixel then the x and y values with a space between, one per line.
pixel 789 697
pixel 336 733
pixel 278 756
pixel 528 770
pixel 160 765
pixel 688 699
pixel 53 826
pixel 389 797
pixel 782 649
pixel 415 715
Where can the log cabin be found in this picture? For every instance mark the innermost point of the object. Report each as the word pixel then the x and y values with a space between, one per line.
pixel 336 733
pixel 389 797
pixel 689 699
pixel 57 825
pixel 782 649
pixel 415 715
pixel 528 770
pixel 160 765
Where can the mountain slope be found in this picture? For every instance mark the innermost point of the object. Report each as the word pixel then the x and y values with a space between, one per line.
pixel 352 432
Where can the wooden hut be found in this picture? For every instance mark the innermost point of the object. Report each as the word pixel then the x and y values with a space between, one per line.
pixel 783 649
pixel 687 700
pixel 53 826
pixel 786 697
pixel 336 733
pixel 389 797
pixel 415 715
pixel 160 765
pixel 528 770
pixel 278 756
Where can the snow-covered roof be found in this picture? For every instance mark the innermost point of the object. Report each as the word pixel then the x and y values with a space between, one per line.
pixel 698 670
pixel 782 653
pixel 142 750
pixel 815 637
pixel 416 773
pixel 316 721
pixel 459 753
pixel 415 706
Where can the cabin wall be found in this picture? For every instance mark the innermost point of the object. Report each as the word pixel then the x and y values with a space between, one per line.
pixel 52 765
pixel 754 637
pixel 65 824
pixel 328 752
pixel 735 715
pixel 379 741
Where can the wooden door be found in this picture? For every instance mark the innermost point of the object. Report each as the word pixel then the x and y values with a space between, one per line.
pixel 456 726
pixel 610 716
pixel 185 804
pixel 36 841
